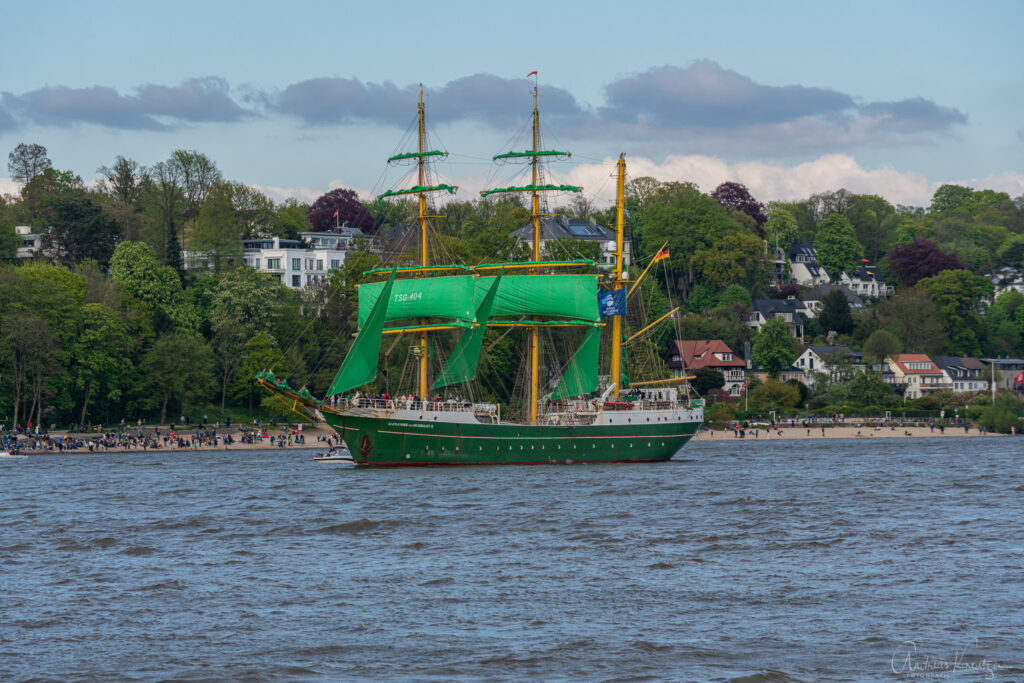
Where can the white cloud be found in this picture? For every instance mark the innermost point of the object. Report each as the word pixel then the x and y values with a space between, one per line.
pixel 772 181
pixel 307 195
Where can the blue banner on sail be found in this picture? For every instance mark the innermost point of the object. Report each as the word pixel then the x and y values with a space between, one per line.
pixel 612 302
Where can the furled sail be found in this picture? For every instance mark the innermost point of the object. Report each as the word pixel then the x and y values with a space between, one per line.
pixel 581 375
pixel 360 365
pixel 462 363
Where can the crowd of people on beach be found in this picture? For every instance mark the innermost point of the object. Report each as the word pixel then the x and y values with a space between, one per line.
pixel 141 439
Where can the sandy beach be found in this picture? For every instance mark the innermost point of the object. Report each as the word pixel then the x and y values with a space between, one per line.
pixel 312 443
pixel 309 433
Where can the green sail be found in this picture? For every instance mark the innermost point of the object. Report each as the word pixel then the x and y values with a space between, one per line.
pixel 443 297
pixel 462 364
pixel 569 296
pixel 458 297
pixel 360 365
pixel 581 375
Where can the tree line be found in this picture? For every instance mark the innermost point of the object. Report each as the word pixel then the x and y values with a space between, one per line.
pixel 109 322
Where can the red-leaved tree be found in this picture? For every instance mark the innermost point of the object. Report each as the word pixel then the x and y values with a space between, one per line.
pixel 351 212
pixel 736 195
pixel 921 259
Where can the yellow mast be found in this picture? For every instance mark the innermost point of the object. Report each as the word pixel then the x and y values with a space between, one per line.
pixel 424 339
pixel 535 213
pixel 618 282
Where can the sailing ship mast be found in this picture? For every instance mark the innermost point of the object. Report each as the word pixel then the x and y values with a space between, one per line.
pixel 617 281
pixel 424 356
pixel 535 216
pixel 534 154
pixel 421 190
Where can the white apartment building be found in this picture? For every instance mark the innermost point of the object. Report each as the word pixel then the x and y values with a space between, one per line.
pixel 296 263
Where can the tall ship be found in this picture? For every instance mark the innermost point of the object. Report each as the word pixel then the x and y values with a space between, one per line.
pixel 569 413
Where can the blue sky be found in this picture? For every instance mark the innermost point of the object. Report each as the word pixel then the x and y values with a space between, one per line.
pixel 790 98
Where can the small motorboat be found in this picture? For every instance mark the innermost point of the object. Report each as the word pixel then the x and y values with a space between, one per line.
pixel 7 455
pixel 334 455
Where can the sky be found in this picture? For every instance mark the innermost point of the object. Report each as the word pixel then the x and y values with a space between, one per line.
pixel 789 98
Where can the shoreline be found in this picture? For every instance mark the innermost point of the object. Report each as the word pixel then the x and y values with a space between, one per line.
pixel 799 432
pixel 757 434
pixel 309 432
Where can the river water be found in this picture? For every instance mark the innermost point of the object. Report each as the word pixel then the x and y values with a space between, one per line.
pixel 774 561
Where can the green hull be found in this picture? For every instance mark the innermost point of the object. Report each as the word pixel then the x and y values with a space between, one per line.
pixel 388 442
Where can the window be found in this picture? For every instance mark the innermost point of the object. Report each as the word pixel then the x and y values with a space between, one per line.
pixel 273 264
pixel 309 264
pixel 335 263
pixel 296 280
pixel 319 264
pixel 726 356
pixel 296 264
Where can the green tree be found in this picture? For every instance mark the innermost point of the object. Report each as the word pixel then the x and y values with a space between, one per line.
pixel 734 294
pixel 880 344
pixel 1004 414
pixel 738 258
pixel 678 213
pixel 781 230
pixel 198 175
pixel 958 296
pixel 774 347
pixel 1011 251
pixel 951 198
pixel 79 230
pixel 31 352
pixel 775 395
pixel 1004 321
pixel 164 200
pixel 134 267
pixel 123 183
pixel 180 367
pixel 244 304
pixel 102 356
pixel 865 389
pixel 868 215
pixel 262 352
pixel 835 313
pixel 289 219
pixel 216 237
pixel 912 317
pixel 706 379
pixel 10 240
pixel 24 163
pixel 837 246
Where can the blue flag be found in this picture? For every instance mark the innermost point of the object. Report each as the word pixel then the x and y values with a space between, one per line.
pixel 612 302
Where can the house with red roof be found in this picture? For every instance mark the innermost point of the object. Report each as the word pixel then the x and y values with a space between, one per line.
pixel 685 356
pixel 918 374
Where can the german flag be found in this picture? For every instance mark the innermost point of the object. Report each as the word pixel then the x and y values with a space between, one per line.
pixel 663 254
